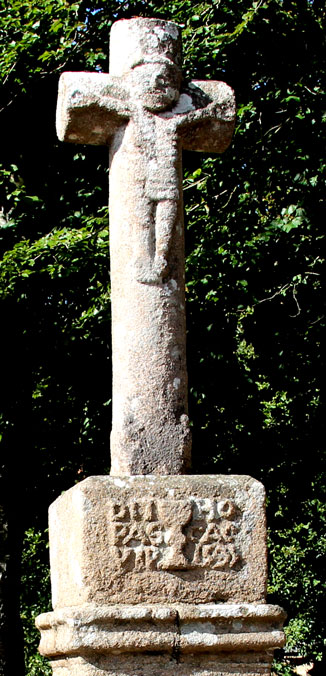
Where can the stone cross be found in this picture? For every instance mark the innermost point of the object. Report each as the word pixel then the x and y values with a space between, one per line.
pixel 152 574
pixel 146 116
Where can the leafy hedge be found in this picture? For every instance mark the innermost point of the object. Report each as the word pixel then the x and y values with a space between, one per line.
pixel 255 240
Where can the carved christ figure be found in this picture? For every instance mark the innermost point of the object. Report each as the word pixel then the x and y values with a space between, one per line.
pixel 145 115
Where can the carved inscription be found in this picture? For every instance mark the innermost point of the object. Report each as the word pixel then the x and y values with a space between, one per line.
pixel 148 534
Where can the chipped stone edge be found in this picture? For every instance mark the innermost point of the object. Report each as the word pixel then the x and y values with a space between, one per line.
pixel 181 628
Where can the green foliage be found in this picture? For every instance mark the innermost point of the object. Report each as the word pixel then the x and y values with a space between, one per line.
pixel 23 27
pixel 35 585
pixel 255 241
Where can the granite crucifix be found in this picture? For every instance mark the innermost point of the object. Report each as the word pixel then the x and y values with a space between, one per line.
pixel 150 574
pixel 146 116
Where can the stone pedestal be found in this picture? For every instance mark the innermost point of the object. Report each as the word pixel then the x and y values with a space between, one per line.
pixel 158 575
pixel 162 639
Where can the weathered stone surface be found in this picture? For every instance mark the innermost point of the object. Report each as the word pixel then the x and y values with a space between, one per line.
pixel 250 664
pixel 196 539
pixel 240 637
pixel 179 628
pixel 154 575
pixel 255 665
pixel 146 117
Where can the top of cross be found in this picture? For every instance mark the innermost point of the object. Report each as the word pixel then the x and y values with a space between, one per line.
pixel 134 42
pixel 145 73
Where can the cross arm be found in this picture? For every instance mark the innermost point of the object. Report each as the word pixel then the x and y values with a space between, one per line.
pixel 208 121
pixel 91 107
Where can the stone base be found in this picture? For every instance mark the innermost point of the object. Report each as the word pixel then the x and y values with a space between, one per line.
pixel 160 576
pixel 209 665
pixel 159 539
pixel 183 639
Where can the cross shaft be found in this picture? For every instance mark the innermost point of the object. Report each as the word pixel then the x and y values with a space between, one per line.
pixel 146 117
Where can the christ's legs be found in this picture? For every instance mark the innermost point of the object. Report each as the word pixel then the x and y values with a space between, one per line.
pixel 154 266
